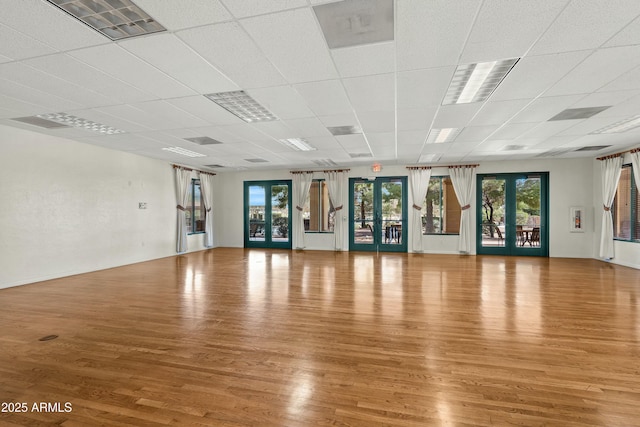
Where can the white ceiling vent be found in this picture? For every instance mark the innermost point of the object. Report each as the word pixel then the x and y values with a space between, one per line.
pixel 344 130
pixel 78 122
pixel 578 113
pixel 116 19
pixel 40 122
pixel 240 104
pixel 203 140
pixel 356 22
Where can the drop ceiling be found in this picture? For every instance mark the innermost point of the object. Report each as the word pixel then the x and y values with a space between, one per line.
pixel 577 55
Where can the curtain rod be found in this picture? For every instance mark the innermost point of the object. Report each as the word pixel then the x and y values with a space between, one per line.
pixel 336 170
pixel 611 156
pixel 442 166
pixel 189 169
pixel 301 172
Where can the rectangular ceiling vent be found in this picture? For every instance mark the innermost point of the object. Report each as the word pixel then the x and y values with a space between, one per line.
pixel 514 147
pixel 256 160
pixel 344 130
pixel 356 22
pixel 593 148
pixel 578 113
pixel 325 162
pixel 214 166
pixel 476 82
pixel 555 152
pixel 203 140
pixel 116 19
pixel 240 104
pixel 360 155
pixel 40 122
pixel 67 120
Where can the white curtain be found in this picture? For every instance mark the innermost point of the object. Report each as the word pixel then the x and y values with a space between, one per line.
pixel 183 187
pixel 635 163
pixel 301 185
pixel 419 183
pixel 336 184
pixel 462 179
pixel 206 189
pixel 611 170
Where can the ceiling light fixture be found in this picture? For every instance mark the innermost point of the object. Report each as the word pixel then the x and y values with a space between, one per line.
pixel 476 82
pixel 184 152
pixel 79 122
pixel 240 104
pixel 439 136
pixel 298 144
pixel 344 130
pixel 116 19
pixel 621 126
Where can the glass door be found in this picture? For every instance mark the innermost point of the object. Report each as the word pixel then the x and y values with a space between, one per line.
pixel 512 219
pixel 377 214
pixel 267 216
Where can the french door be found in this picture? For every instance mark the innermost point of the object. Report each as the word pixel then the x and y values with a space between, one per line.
pixel 377 214
pixel 267 214
pixel 513 214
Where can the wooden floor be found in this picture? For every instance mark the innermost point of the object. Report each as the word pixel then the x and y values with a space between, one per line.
pixel 233 337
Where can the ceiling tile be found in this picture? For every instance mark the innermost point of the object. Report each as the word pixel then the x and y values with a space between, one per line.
pixel 542 109
pixel 432 33
pixel 67 68
pixel 377 121
pixel 171 55
pixel 548 129
pixel 627 81
pixel 15 108
pixel 455 116
pixel 234 53
pixel 302 58
pixel 176 15
pixel 365 60
pixel 423 88
pixel 114 60
pixel 475 133
pixel 353 143
pixel 325 98
pixel 512 130
pixel 100 116
pixel 371 93
pixel 411 138
pixel 49 25
pixel 16 45
pixel 123 142
pixel 244 8
pixel 498 112
pixel 283 101
pixel 602 67
pixel 416 118
pixel 587 24
pixel 503 31
pixel 205 109
pixel 139 116
pixel 547 69
pixel 308 127
pixel 627 36
pixel 25 98
pixel 348 119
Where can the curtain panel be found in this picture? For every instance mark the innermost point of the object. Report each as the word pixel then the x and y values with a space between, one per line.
pixel 336 183
pixel 301 185
pixel 419 184
pixel 611 170
pixel 206 187
pixel 463 178
pixel 183 187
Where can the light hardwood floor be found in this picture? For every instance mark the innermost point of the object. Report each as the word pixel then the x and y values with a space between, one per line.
pixel 233 337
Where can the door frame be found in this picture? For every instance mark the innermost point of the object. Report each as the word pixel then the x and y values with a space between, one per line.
pixel 267 243
pixel 511 247
pixel 378 243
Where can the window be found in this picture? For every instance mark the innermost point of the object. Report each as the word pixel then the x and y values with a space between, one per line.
pixel 319 212
pixel 195 212
pixel 441 210
pixel 626 208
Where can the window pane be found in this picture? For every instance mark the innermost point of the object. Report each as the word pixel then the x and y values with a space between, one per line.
pixel 257 203
pixel 198 208
pixel 636 214
pixel 318 213
pixel 280 213
pixel 622 206
pixel 188 212
pixel 432 218
pixel 328 213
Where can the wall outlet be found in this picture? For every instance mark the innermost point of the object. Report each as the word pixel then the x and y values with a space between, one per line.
pixel 142 205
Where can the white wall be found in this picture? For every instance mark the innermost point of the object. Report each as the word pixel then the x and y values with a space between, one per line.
pixel 625 253
pixel 569 186
pixel 68 208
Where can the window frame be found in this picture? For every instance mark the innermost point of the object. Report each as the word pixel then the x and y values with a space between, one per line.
pixel 441 233
pixel 191 222
pixel 634 214
pixel 320 181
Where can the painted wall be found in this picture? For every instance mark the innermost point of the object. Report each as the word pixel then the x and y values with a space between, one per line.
pixel 570 185
pixel 70 208
pixel 625 253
